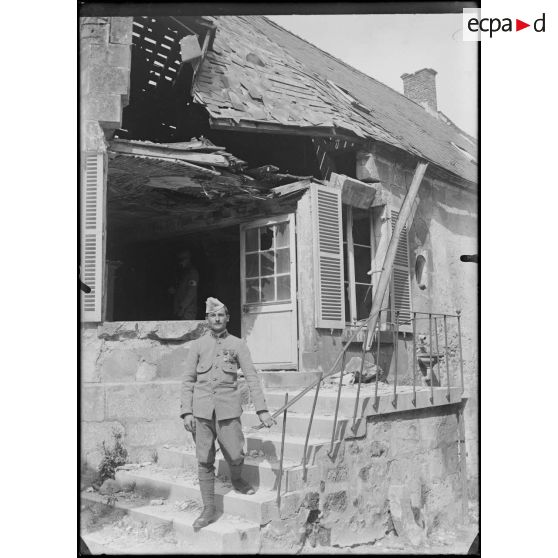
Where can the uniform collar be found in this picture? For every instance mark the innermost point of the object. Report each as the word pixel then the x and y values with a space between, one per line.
pixel 221 335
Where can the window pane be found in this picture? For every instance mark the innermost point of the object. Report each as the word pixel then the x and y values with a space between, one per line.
pixel 268 289
pixel 347 306
pixel 266 238
pixel 282 235
pixel 252 265
pixel 283 263
pixel 361 226
pixel 362 264
pixel 253 290
pixel 251 240
pixel 284 287
pixel 266 263
pixel 363 301
pixel 345 262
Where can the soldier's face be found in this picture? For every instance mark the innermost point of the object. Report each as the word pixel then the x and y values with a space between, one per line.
pixel 218 320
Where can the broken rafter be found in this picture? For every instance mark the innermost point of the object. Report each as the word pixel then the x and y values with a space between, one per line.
pixel 154 150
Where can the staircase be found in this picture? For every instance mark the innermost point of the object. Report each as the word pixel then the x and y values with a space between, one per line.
pixel 163 498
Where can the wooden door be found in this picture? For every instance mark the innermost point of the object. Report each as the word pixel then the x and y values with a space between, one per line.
pixel 268 285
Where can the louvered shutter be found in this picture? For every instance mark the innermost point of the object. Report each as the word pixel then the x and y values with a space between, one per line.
pixel 328 257
pixel 92 237
pixel 400 281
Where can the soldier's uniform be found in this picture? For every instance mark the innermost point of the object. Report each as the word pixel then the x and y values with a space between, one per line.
pixel 210 392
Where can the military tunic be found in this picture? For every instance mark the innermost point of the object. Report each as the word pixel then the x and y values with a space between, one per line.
pixel 210 392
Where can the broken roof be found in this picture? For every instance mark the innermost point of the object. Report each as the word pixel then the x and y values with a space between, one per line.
pixel 257 73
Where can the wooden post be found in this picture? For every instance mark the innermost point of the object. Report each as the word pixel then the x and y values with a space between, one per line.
pixel 383 282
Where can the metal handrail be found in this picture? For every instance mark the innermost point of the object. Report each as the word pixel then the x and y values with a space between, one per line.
pixel 279 480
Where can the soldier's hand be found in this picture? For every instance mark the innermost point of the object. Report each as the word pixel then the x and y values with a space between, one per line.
pixel 189 423
pixel 266 419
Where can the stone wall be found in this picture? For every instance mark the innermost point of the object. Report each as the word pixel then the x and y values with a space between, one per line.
pixel 105 57
pixel 130 381
pixel 405 476
pixel 444 227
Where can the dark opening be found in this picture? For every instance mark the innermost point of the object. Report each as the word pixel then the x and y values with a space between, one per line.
pixel 144 273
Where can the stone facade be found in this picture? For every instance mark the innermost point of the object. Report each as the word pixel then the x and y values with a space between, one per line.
pixel 404 477
pixel 105 55
pixel 131 382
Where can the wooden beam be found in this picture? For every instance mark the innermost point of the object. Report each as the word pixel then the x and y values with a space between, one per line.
pixel 383 282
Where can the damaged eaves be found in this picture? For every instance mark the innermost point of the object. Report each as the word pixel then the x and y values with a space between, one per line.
pixel 153 193
pixel 259 77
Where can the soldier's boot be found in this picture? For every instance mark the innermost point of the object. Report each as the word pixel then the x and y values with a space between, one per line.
pixel 238 483
pixel 208 515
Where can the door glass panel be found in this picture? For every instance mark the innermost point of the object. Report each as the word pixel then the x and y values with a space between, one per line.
pixel 283 263
pixel 253 290
pixel 266 263
pixel 252 265
pixel 266 238
pixel 284 287
pixel 268 289
pixel 282 235
pixel 251 240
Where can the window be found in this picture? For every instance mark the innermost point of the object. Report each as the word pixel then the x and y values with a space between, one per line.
pixel 365 241
pixel 268 267
pixel 357 251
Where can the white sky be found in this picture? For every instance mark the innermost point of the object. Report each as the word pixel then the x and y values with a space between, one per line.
pixel 386 46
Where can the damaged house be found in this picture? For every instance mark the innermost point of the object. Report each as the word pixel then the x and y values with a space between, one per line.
pixel 283 170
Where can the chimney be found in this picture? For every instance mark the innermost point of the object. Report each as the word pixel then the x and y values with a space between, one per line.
pixel 420 87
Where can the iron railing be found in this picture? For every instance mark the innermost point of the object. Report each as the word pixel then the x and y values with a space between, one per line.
pixel 395 326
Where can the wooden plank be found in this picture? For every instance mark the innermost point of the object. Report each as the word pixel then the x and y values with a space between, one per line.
pixel 385 275
pixel 165 153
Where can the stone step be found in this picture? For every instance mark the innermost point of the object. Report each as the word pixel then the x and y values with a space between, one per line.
pixel 327 399
pixel 179 485
pixel 270 444
pixel 297 424
pixel 260 472
pixel 169 524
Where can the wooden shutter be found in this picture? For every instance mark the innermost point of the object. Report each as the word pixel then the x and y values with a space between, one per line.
pixel 92 235
pixel 400 281
pixel 328 257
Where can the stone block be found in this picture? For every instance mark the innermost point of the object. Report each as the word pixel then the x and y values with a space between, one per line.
pixel 156 432
pixel 119 56
pixel 143 401
pixel 121 30
pixel 118 364
pixel 115 331
pixel 91 348
pixel 95 31
pixel 171 364
pixel 108 80
pixel 106 109
pixel 92 403
pixel 335 501
pixel 93 433
pixel 146 372
pixel 403 516
pixel 92 136
pixel 355 531
pixel 366 167
pixel 184 330
pixel 92 459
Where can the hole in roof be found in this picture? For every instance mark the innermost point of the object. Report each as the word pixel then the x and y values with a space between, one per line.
pixel 471 158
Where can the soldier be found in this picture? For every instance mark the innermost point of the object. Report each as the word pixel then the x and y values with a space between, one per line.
pixel 185 293
pixel 211 404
